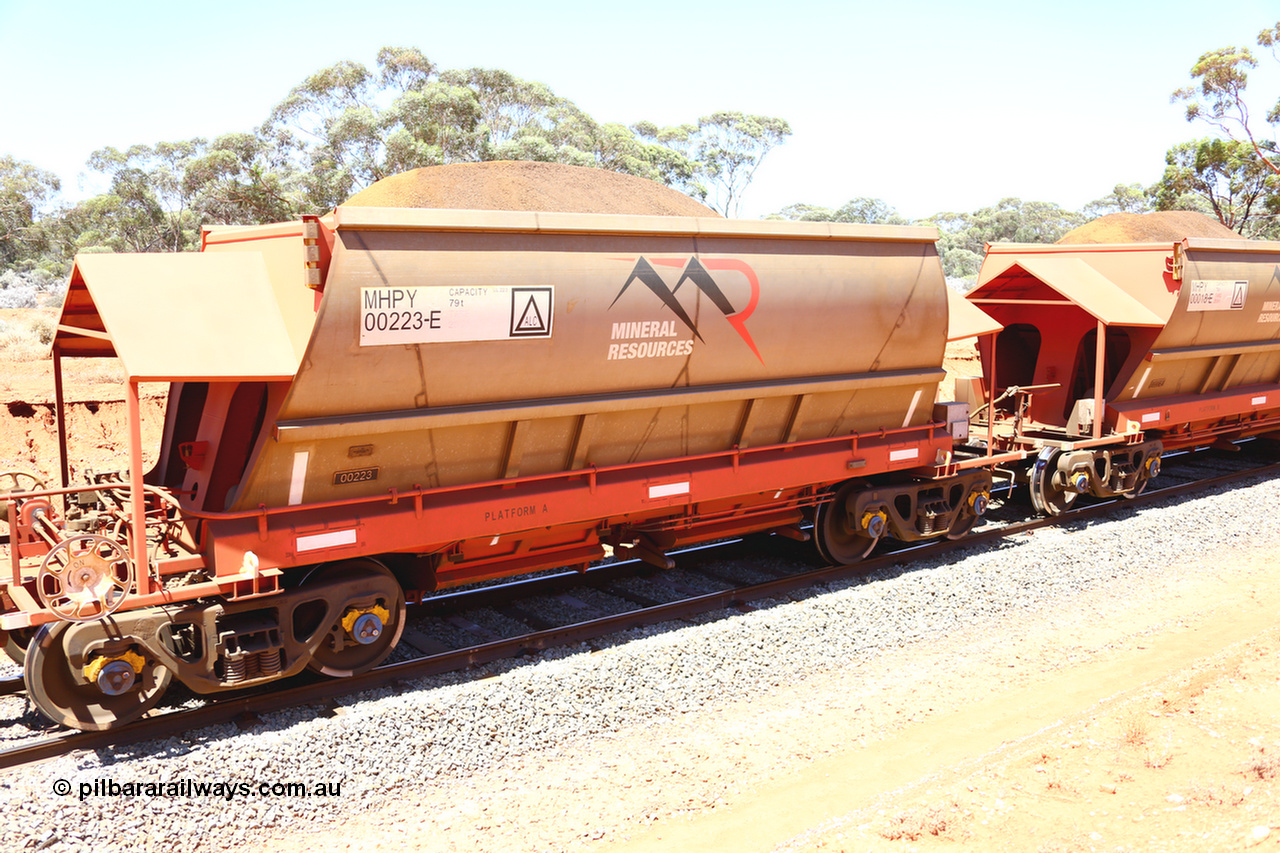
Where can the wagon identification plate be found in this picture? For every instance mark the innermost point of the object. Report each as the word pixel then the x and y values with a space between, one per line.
pixel 1217 295
pixel 358 475
pixel 439 314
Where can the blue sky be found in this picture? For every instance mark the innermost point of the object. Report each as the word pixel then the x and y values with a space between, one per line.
pixel 931 106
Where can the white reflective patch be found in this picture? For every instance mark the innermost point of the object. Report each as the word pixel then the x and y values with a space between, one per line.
pixel 668 490
pixel 899 455
pixel 333 539
pixel 1258 401
pixel 1142 381
pixel 493 541
pixel 911 410
pixel 299 477
pixel 1150 417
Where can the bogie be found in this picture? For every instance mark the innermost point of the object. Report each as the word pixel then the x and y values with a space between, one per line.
pixel 94 675
pixel 1059 477
pixel 858 515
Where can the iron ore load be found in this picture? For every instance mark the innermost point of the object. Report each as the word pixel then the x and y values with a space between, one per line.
pixel 1112 354
pixel 383 402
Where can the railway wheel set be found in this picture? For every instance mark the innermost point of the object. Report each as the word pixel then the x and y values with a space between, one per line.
pixel 438 397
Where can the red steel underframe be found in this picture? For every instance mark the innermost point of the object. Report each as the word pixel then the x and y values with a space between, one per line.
pixel 1179 422
pixel 1195 418
pixel 570 508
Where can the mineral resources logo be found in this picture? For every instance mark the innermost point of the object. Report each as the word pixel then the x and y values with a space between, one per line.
pixel 639 338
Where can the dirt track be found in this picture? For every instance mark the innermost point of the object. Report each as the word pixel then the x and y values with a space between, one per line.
pixel 1163 736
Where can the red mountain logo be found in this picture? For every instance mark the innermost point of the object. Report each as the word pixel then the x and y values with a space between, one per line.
pixel 698 272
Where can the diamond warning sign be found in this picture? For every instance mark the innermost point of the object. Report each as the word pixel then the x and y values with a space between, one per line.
pixel 424 315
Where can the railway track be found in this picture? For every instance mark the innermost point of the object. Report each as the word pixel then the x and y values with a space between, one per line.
pixel 513 601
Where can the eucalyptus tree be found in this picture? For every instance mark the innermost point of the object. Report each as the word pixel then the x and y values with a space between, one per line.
pixel 328 125
pixel 729 147
pixel 148 207
pixel 25 192
pixel 347 126
pixel 871 211
pixel 1219 95
pixel 963 237
pixel 1123 198
pixel 661 154
pixel 1235 183
pixel 239 179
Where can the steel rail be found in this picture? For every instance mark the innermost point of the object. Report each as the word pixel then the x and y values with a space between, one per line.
pixel 249 704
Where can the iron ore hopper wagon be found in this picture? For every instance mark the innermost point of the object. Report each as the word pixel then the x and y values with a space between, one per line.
pixel 1111 354
pixel 383 402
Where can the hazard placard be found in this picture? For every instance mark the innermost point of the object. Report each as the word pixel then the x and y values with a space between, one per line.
pixel 437 314
pixel 531 312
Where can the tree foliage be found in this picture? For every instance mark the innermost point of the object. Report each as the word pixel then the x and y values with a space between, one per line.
pixel 339 130
pixel 1124 198
pixel 238 178
pixel 730 147
pixel 871 211
pixel 962 237
pixel 24 192
pixel 1238 187
pixel 1233 178
pixel 147 208
pixel 346 126
pixel 1218 96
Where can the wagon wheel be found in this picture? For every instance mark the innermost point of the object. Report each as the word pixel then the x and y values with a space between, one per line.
pixel 1150 470
pixel 85 578
pixel 16 642
pixel 369 624
pixel 19 481
pixel 1048 493
pixel 838 544
pixel 16 481
pixel 963 524
pixel 117 694
pixel 975 506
